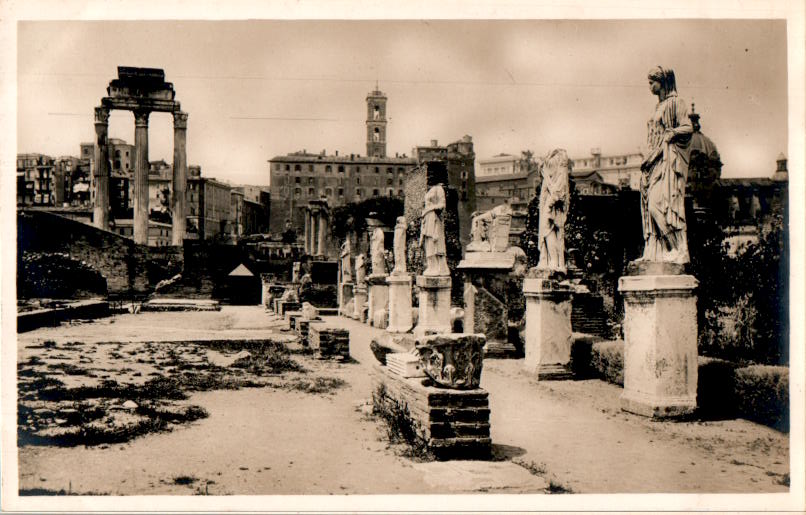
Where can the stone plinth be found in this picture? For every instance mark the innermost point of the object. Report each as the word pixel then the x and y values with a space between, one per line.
pixel 660 345
pixel 303 330
pixel 346 308
pixel 360 302
pixel 435 305
pixel 547 344
pixel 488 260
pixel 451 423
pixel 329 342
pixel 400 319
pixel 378 298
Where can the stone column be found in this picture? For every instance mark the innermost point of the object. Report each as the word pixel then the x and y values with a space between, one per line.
pixel 178 201
pixel 314 231
pixel 141 176
pixel 307 231
pixel 547 338
pixel 435 305
pixel 322 233
pixel 660 345
pixel 400 319
pixel 100 212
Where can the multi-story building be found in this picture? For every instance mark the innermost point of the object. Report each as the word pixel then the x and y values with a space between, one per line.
pixel 35 176
pixel 620 170
pixel 499 165
pixel 159 233
pixel 236 213
pixel 257 208
pixel 300 177
pixel 209 206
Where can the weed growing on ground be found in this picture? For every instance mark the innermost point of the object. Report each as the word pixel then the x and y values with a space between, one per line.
pixel 540 470
pixel 400 426
pixel 316 385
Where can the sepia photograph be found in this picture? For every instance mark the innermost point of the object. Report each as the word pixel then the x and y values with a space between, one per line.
pixel 458 257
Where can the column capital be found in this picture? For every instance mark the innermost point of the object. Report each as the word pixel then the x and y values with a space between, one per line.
pixel 141 117
pixel 180 120
pixel 101 115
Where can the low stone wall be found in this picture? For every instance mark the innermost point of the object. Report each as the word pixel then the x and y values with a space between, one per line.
pixel 724 389
pixel 452 424
pixel 329 342
pixel 86 309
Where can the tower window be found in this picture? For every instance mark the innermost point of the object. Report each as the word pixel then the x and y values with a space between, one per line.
pixel 358 192
pixel 377 170
pixel 328 168
pixel 376 135
pixel 376 112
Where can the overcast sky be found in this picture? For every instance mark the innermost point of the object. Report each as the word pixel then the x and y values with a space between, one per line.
pixel 257 89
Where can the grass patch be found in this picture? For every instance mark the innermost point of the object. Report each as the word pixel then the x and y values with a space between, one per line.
pixel 316 385
pixel 23 492
pixel 401 428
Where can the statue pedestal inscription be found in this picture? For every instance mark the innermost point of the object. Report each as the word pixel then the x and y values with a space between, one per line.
pixel 378 299
pixel 400 319
pixel 547 342
pixel 435 305
pixel 660 345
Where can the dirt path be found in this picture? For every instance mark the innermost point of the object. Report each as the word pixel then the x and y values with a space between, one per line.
pixel 280 441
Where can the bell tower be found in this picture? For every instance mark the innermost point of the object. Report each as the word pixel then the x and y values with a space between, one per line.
pixel 376 123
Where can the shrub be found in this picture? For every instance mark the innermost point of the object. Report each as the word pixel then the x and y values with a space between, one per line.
pixel 56 275
pixel 762 393
pixel 607 359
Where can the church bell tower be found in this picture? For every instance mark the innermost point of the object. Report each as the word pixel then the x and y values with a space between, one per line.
pixel 376 123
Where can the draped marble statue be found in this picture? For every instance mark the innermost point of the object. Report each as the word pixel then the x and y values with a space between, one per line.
pixel 400 246
pixel 489 230
pixel 664 173
pixel 432 233
pixel 554 200
pixel 346 267
pixel 376 252
pixel 360 269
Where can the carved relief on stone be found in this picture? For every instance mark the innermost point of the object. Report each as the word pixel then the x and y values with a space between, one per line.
pixel 377 252
pixel 489 230
pixel 452 361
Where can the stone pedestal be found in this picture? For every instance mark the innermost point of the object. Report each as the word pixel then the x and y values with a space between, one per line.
pixel 547 343
pixel 660 345
pixel 360 303
pixel 378 297
pixel 346 307
pixel 400 320
pixel 435 305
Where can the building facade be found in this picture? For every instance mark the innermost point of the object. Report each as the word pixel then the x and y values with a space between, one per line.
pixel 35 178
pixel 301 177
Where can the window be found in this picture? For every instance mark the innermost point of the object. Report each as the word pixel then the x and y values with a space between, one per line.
pixel 310 192
pixel 399 193
pixel 357 169
pixel 400 182
pixel 287 168
pixel 341 192
pixel 389 181
pixel 328 192
pixel 328 168
pixel 341 168
pixel 375 193
pixel 310 180
pixel 297 168
pixel 297 192
pixel 389 169
pixel 399 169
pixel 358 180
pixel 390 192
pixel 377 170
pixel 310 168
pixel 297 180
pixel 358 192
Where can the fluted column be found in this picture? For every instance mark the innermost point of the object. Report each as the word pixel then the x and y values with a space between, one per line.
pixel 178 201
pixel 100 212
pixel 314 230
pixel 141 177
